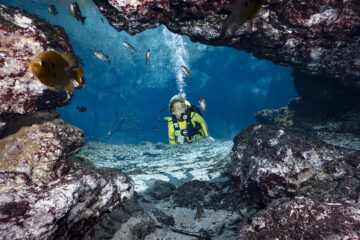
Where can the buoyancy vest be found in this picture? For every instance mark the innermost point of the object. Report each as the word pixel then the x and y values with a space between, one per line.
pixel 190 129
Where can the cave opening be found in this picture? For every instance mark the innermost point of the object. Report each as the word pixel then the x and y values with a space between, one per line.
pixel 123 99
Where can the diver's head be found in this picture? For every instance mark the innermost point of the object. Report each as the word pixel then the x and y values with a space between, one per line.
pixel 178 106
pixel 179 109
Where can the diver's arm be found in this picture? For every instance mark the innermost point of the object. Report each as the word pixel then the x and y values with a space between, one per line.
pixel 171 132
pixel 197 118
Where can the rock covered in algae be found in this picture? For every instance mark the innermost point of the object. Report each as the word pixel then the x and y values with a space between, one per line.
pixel 45 192
pixel 318 36
pixel 23 36
pixel 303 218
pixel 272 162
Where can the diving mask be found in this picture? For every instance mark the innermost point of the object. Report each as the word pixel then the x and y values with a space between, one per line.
pixel 179 109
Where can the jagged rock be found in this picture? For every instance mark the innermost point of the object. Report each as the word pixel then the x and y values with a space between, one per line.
pixel 40 150
pixel 320 37
pixel 304 218
pixel 282 116
pixel 47 193
pixel 271 162
pixel 23 36
pixel 13 123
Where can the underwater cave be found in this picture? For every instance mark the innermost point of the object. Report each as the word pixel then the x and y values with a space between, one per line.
pixel 282 94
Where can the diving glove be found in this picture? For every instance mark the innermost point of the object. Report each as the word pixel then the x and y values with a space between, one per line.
pixel 180 139
pixel 210 139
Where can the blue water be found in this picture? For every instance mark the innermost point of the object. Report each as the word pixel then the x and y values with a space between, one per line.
pixel 123 99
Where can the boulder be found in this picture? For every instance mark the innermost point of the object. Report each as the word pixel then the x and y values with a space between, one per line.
pixel 45 192
pixel 303 218
pixel 272 162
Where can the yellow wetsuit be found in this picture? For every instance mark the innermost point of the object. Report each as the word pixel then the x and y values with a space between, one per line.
pixel 195 118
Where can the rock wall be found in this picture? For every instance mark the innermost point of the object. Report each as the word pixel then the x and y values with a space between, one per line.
pixel 23 36
pixel 320 37
pixel 308 182
pixel 45 192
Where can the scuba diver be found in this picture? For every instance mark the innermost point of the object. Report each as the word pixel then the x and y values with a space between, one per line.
pixel 185 122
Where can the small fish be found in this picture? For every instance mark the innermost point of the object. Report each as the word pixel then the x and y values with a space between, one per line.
pixel 109 133
pixel 129 46
pixel 53 10
pixel 81 108
pixel 186 71
pixel 102 56
pixel 202 103
pixel 75 11
pixel 56 70
pixel 155 128
pixel 147 56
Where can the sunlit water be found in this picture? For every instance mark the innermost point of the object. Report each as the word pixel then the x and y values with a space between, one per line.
pixel 123 99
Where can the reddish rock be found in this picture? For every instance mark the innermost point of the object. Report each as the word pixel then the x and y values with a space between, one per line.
pixel 304 218
pixel 319 37
pixel 40 150
pixel 23 36
pixel 47 193
pixel 272 162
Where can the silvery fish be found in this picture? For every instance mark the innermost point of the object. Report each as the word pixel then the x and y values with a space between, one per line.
pixel 102 57
pixel 129 46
